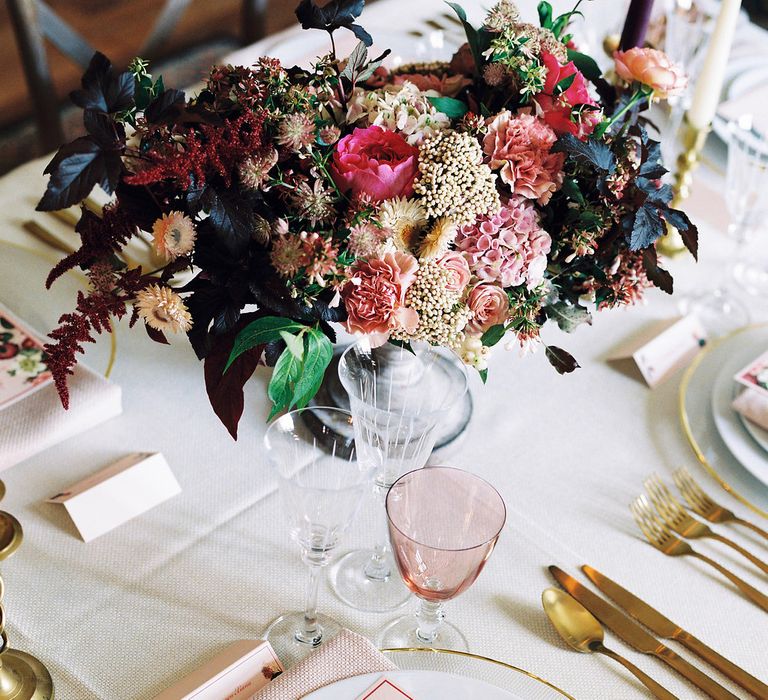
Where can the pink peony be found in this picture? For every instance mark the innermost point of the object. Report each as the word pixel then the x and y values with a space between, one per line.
pixel 519 146
pixel 374 296
pixel 375 162
pixel 558 108
pixel 508 247
pixel 457 265
pixel 489 305
pixel 653 68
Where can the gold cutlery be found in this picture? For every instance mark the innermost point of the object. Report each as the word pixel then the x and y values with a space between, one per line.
pixel 581 631
pixel 677 517
pixel 666 629
pixel 661 537
pixel 701 504
pixel 637 637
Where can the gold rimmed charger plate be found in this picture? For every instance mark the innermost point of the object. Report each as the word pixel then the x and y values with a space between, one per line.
pixel 498 673
pixel 698 424
pixel 23 272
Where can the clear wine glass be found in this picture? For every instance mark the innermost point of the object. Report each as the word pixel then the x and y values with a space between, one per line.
pixel 722 310
pixel 397 398
pixel 321 485
pixel 444 524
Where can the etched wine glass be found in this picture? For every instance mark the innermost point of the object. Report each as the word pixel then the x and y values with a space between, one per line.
pixel 397 398
pixel 444 524
pixel 321 485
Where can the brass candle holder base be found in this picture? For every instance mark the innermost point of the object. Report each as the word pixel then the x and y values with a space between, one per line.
pixel 693 138
pixel 23 677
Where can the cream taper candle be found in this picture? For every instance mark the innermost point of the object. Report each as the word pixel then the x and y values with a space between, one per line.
pixel 706 95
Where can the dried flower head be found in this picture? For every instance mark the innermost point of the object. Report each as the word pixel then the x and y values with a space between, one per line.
pixel 254 170
pixel 287 255
pixel 366 240
pixel 296 132
pixel 501 15
pixel 173 235
pixel 315 203
pixel 329 134
pixel 321 255
pixel 406 218
pixel 453 181
pixel 163 309
pixel 438 238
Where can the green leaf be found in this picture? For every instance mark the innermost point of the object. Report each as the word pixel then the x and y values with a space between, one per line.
pixel 318 352
pixel 567 316
pixel 449 106
pixel 593 151
pixel 564 84
pixel 284 377
pixel 262 330
pixel 356 61
pixel 294 343
pixel 472 36
pixel 586 64
pixel 572 191
pixel 545 14
pixel 483 374
pixel 493 335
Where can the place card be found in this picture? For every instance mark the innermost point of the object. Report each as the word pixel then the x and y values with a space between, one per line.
pixel 753 406
pixel 384 689
pixel 755 375
pixel 118 493
pixel 661 350
pixel 237 673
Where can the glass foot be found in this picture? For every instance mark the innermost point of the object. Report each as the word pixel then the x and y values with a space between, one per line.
pixel 284 634
pixel 350 584
pixel 720 311
pixel 401 634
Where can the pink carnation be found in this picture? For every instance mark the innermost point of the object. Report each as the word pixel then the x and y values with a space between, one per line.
pixel 375 162
pixel 375 296
pixel 558 109
pixel 519 146
pixel 509 247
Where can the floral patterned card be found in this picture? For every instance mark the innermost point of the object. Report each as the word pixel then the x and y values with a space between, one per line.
pixel 22 360
pixel 755 375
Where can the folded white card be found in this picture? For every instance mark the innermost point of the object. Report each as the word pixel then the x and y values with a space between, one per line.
pixel 660 351
pixel 237 673
pixel 118 493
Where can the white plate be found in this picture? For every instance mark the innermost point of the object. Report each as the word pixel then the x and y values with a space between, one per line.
pixel 421 685
pixel 749 452
pixel 759 435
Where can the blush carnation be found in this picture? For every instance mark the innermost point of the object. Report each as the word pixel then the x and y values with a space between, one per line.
pixel 558 109
pixel 519 146
pixel 489 305
pixel 375 162
pixel 509 247
pixel 374 296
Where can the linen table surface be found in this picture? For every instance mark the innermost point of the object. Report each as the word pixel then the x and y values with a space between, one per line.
pixel 126 615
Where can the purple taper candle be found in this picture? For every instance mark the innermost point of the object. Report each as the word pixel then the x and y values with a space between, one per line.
pixel 636 24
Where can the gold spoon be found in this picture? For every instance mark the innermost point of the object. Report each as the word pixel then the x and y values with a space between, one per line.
pixel 579 628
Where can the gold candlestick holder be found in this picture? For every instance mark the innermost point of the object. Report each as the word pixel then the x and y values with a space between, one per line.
pixel 22 676
pixel 693 139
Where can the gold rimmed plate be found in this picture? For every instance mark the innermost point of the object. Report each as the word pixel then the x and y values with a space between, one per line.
pixel 23 272
pixel 517 681
pixel 728 354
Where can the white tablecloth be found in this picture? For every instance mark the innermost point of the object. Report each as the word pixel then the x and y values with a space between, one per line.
pixel 124 616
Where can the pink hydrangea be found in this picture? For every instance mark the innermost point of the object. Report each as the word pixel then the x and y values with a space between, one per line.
pixel 519 146
pixel 509 247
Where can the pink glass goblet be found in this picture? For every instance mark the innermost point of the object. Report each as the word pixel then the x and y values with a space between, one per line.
pixel 443 525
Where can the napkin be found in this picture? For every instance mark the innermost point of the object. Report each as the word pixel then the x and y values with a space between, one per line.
pixel 752 103
pixel 35 420
pixel 753 406
pixel 345 655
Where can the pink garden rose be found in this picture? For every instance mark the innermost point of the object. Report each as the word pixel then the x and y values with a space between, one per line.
pixel 456 264
pixel 489 304
pixel 557 109
pixel 375 296
pixel 376 162
pixel 653 68
pixel 519 147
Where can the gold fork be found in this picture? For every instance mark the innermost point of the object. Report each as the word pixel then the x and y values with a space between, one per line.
pixel 701 504
pixel 661 537
pixel 677 517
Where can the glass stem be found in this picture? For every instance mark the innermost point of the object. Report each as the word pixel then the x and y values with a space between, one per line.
pixel 378 567
pixel 429 617
pixel 312 632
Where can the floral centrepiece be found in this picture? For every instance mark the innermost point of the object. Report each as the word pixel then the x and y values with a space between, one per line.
pixel 453 202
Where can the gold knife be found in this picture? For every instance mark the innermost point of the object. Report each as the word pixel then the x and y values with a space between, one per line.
pixel 666 629
pixel 637 637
